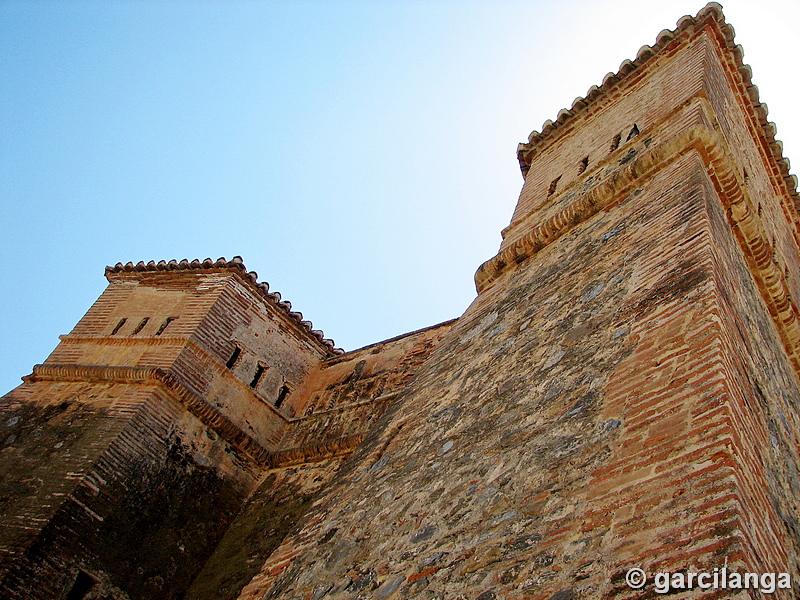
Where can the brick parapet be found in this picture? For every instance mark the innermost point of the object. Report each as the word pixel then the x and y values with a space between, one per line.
pixel 709 21
pixel 278 307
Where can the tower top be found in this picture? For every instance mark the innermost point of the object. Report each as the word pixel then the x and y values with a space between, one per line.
pixel 248 278
pixel 691 85
pixel 710 17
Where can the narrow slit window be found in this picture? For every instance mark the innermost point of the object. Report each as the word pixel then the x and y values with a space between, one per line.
pixel 118 326
pixel 82 586
pixel 634 132
pixel 140 326
pixel 584 165
pixel 257 377
pixel 164 325
pixel 616 142
pixel 553 186
pixel 282 395
pixel 234 357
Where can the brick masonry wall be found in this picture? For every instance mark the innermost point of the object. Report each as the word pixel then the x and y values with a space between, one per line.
pixel 346 393
pixel 47 447
pixel 127 486
pixel 623 392
pixel 584 416
pixel 647 98
pixel 265 338
pixel 763 408
pixel 342 398
pixel 129 452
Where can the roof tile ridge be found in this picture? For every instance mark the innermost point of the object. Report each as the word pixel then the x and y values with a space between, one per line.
pixel 236 264
pixel 712 10
pixel 761 111
pixel 684 25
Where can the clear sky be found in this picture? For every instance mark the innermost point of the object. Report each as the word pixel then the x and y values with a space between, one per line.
pixel 360 156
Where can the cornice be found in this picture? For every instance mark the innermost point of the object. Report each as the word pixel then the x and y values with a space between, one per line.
pixel 179 342
pixel 113 340
pixel 315 452
pixel 162 378
pixel 740 210
pixel 709 18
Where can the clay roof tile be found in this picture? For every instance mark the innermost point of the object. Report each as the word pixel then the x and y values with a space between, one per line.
pixel 235 264
pixel 684 27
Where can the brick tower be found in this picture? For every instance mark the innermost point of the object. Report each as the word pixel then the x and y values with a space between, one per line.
pixel 622 393
pixel 185 390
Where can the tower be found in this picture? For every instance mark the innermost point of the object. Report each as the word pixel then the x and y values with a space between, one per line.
pixel 187 389
pixel 132 447
pixel 623 391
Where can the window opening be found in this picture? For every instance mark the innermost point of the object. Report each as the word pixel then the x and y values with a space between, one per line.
pixel 234 357
pixel 616 141
pixel 257 377
pixel 284 393
pixel 82 586
pixel 634 132
pixel 553 186
pixel 584 164
pixel 118 326
pixel 166 322
pixel 140 326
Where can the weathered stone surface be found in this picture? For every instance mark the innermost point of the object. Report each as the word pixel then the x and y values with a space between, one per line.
pixel 128 454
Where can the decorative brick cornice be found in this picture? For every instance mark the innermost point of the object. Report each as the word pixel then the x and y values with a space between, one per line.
pixel 209 360
pixel 249 278
pixel 210 416
pixel 114 340
pixel 315 452
pixel 62 372
pixel 740 210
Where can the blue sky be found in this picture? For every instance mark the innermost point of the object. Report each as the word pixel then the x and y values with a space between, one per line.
pixel 360 156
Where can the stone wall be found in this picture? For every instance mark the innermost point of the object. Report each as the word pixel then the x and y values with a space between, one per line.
pixel 622 393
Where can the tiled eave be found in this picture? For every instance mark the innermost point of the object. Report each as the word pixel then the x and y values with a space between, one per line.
pixel 250 278
pixel 710 16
